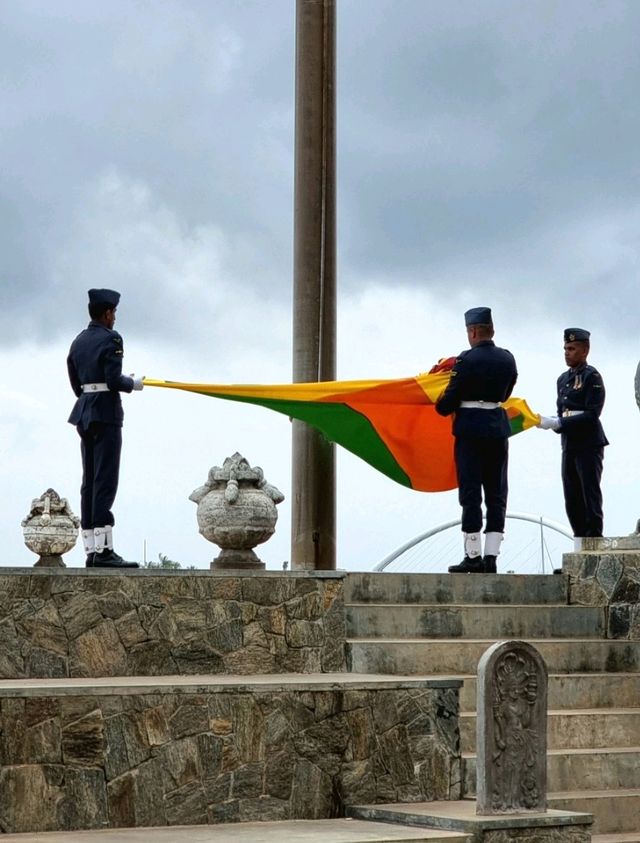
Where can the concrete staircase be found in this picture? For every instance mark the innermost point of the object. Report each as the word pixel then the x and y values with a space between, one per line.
pixel 439 624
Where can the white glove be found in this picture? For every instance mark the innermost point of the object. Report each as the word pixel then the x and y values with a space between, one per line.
pixel 137 382
pixel 549 423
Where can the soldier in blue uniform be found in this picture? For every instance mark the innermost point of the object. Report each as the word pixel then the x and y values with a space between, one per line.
pixel 481 379
pixel 580 401
pixel 94 364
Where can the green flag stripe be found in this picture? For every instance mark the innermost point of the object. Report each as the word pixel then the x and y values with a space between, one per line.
pixel 517 424
pixel 338 423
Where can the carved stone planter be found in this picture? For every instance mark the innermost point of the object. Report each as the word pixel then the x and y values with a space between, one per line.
pixel 50 529
pixel 237 511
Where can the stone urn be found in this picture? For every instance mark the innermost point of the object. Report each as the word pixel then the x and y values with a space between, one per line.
pixel 50 529
pixel 237 511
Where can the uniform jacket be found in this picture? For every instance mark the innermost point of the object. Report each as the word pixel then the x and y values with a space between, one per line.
pixel 483 373
pixel 581 389
pixel 95 356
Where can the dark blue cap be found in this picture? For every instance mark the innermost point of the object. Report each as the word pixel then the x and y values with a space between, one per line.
pixel 576 335
pixel 478 316
pixel 108 297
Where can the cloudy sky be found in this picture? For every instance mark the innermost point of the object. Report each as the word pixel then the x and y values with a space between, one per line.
pixel 487 154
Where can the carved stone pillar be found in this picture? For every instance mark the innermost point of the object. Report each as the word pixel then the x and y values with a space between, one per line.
pixel 511 730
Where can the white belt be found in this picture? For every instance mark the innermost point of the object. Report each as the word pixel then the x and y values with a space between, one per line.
pixel 95 387
pixel 481 405
pixel 566 413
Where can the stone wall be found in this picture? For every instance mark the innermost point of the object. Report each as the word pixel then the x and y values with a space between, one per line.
pixel 607 573
pixel 72 760
pixel 57 623
pixel 559 834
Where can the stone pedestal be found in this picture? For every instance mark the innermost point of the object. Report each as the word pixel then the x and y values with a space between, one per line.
pixel 49 561
pixel 547 827
pixel 237 560
pixel 606 572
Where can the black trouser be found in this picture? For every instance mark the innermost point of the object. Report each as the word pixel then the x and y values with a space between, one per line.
pixel 581 475
pixel 100 447
pixel 481 465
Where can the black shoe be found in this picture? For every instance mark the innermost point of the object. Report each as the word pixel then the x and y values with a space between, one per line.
pixel 110 559
pixel 89 560
pixel 490 566
pixel 468 566
pixel 558 571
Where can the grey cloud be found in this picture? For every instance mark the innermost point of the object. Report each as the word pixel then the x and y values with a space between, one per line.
pixel 173 97
pixel 479 143
pixel 511 122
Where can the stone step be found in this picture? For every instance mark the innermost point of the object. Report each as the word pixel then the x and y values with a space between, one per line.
pixel 460 815
pixel 575 729
pixel 454 588
pixel 634 837
pixel 592 769
pixel 452 656
pixel 291 831
pixel 613 810
pixel 575 690
pixel 629 545
pixel 390 620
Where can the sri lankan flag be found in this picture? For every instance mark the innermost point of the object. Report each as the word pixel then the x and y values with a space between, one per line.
pixel 391 424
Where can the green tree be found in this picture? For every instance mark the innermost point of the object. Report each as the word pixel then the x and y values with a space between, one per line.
pixel 166 564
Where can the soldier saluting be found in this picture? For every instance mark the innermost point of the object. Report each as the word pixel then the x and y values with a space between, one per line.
pixel 94 364
pixel 581 396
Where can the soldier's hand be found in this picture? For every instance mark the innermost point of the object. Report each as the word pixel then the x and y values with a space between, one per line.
pixel 138 383
pixel 549 423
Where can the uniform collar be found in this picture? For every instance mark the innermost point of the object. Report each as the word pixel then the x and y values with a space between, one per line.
pixel 580 368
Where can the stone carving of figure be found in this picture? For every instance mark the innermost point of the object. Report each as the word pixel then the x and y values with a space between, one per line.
pixel 516 742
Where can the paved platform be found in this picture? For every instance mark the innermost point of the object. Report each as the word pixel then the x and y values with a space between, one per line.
pixel 295 831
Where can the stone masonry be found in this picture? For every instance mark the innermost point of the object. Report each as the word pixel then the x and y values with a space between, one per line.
pixel 97 759
pixel 607 573
pixel 560 834
pixel 80 623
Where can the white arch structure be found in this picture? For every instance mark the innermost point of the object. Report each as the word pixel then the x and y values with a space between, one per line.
pixel 519 516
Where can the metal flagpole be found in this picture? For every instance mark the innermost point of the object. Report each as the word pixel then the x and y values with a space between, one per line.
pixel 313 542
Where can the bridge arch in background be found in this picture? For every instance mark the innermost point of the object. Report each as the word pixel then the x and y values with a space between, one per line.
pixel 519 516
